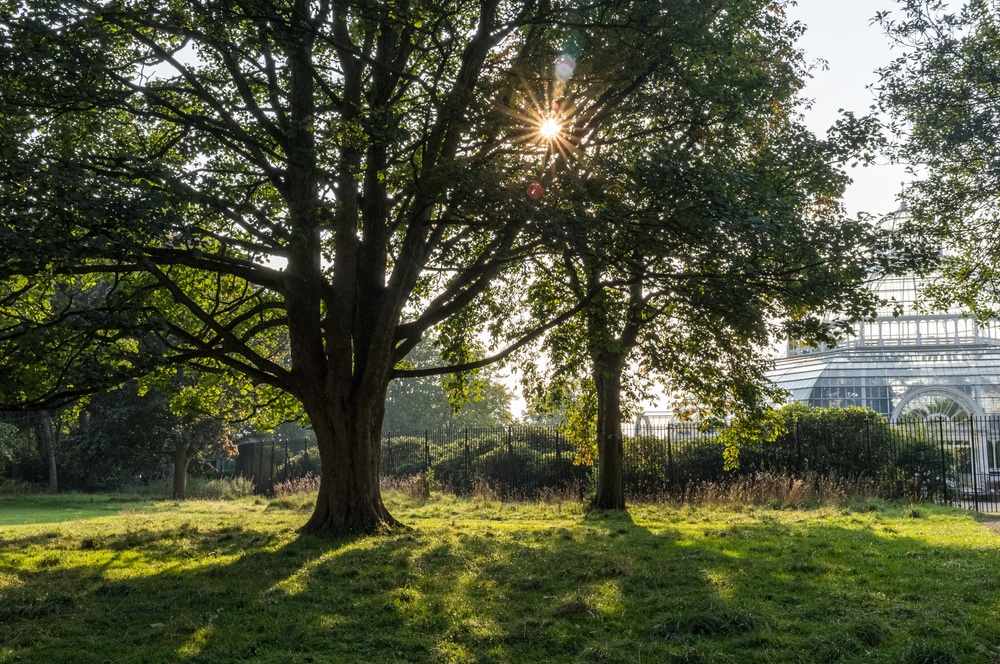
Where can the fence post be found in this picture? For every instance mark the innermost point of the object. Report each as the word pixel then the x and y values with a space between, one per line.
pixel 392 463
pixel 427 451
pixel 271 474
pixel 468 461
pixel 510 459
pixel 259 479
pixel 944 467
pixel 798 446
pixel 868 442
pixel 670 458
pixel 284 475
pixel 972 464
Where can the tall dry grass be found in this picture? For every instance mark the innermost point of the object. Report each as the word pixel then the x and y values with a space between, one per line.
pixel 773 490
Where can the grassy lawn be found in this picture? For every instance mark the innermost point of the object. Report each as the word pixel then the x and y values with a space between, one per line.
pixel 88 579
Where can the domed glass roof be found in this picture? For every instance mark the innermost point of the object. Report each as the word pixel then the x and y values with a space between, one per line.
pixel 907 361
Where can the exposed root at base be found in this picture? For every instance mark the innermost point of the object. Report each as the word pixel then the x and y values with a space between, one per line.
pixel 335 528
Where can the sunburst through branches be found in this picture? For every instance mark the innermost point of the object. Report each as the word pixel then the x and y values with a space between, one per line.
pixel 547 123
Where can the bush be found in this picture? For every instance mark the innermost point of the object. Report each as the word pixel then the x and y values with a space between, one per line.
pixel 657 466
pixel 846 442
pixel 511 460
pixel 10 487
pixel 221 488
pixel 922 470
pixel 297 466
pixel 404 456
pixel 518 464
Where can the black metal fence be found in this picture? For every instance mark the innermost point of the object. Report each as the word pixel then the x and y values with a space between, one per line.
pixel 268 460
pixel 940 461
pixel 509 461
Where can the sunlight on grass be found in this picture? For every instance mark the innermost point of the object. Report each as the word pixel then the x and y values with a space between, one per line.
pixel 197 642
pixel 478 581
pixel 299 580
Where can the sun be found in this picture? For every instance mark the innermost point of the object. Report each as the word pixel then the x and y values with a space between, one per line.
pixel 550 129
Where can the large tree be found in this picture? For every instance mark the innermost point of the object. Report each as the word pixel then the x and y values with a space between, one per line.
pixel 942 93
pixel 299 190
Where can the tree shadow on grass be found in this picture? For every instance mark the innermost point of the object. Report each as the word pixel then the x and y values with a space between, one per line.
pixel 603 589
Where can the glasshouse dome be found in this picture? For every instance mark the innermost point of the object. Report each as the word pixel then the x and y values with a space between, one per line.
pixel 905 364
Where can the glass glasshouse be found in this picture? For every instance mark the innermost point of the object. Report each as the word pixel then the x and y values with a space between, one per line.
pixel 906 364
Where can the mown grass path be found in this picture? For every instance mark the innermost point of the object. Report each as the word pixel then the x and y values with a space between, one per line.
pixel 200 581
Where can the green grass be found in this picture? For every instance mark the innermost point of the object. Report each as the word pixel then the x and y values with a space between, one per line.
pixel 88 579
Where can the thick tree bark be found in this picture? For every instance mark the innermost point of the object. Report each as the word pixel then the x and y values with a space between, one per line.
pixel 42 423
pixel 181 462
pixel 349 440
pixel 610 452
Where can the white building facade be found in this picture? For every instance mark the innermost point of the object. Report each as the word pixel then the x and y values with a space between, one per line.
pixel 905 364
pixel 910 365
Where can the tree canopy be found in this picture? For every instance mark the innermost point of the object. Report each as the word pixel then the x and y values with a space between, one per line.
pixel 689 255
pixel 299 191
pixel 943 95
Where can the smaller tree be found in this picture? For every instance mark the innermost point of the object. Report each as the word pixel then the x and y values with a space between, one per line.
pixel 164 424
pixel 117 437
pixel 205 408
pixel 17 450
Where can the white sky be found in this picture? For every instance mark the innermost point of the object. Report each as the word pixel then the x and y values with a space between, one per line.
pixel 841 33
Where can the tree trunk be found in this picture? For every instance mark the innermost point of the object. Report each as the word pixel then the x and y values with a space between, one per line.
pixel 42 423
pixel 181 461
pixel 610 452
pixel 350 447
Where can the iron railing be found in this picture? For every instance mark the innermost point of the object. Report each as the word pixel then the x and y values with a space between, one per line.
pixel 951 462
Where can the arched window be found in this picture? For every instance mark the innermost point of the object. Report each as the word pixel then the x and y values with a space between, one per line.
pixel 935 404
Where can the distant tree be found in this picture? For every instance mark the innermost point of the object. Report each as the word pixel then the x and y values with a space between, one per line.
pixel 207 409
pixel 62 338
pixel 118 437
pixel 17 449
pixel 942 93
pixel 426 402
pixel 45 435
pixel 133 434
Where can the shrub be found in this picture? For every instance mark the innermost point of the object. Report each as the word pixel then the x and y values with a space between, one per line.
pixel 199 488
pixel 308 483
pixel 221 488
pixel 520 460
pixel 297 466
pixel 404 456
pixel 17 487
pixel 415 487
pixel 847 442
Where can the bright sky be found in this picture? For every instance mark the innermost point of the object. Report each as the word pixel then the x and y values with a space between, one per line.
pixel 841 33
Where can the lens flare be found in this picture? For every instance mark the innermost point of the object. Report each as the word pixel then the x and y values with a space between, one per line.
pixel 564 67
pixel 550 129
pixel 535 190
